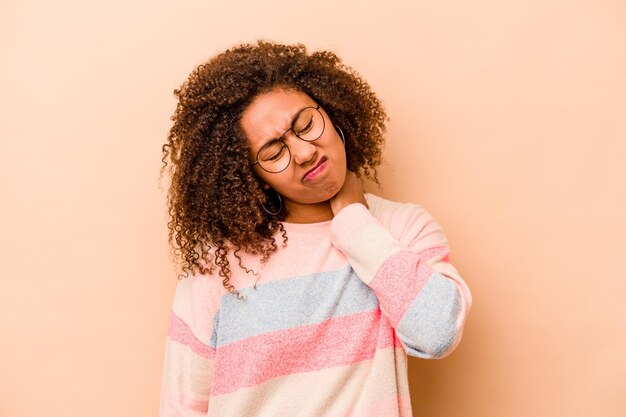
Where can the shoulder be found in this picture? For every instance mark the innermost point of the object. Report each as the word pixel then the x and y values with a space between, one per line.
pixel 406 221
pixel 192 309
pixel 199 295
pixel 383 207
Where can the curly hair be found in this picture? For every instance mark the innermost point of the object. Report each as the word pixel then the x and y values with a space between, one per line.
pixel 215 199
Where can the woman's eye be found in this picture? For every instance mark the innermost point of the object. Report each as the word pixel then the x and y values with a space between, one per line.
pixel 277 154
pixel 305 128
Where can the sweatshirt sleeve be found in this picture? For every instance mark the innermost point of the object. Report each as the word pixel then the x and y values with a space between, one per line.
pixel 419 291
pixel 189 352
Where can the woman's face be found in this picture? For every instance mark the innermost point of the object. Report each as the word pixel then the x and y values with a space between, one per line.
pixel 266 118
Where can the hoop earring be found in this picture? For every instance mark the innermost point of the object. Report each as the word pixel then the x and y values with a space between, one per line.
pixel 343 138
pixel 280 208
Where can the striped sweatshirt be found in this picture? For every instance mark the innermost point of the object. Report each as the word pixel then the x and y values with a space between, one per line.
pixel 326 324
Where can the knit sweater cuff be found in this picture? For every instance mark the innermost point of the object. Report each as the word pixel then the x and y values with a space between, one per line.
pixel 363 240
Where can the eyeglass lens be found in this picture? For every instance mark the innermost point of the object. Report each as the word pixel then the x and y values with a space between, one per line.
pixel 275 155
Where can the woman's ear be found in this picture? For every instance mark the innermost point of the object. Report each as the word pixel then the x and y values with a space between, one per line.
pixel 262 184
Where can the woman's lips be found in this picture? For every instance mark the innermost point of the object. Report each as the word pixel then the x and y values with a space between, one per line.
pixel 315 172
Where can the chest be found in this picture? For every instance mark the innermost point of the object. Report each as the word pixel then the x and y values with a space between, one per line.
pixel 292 303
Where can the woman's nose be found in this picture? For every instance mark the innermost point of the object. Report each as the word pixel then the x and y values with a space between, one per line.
pixel 302 151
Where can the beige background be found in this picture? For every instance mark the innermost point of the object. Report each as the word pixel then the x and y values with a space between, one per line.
pixel 507 124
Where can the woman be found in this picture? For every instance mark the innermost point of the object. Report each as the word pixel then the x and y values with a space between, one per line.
pixel 267 146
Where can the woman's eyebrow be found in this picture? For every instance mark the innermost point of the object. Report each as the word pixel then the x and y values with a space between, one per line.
pixel 293 119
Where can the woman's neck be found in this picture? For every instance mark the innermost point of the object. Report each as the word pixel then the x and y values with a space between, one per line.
pixel 308 213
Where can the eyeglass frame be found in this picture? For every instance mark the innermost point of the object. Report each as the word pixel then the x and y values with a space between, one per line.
pixel 282 140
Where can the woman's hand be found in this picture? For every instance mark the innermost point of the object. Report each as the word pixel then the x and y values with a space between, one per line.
pixel 350 192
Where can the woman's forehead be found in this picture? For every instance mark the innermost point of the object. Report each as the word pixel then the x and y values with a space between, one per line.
pixel 270 114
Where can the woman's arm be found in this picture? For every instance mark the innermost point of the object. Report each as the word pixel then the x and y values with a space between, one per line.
pixel 189 353
pixel 419 291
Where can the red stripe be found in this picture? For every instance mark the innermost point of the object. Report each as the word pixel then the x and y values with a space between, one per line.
pixel 335 342
pixel 399 280
pixel 180 332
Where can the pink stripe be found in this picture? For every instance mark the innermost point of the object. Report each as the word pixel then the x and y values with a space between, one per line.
pixel 180 332
pixel 400 279
pixel 335 342
pixel 433 252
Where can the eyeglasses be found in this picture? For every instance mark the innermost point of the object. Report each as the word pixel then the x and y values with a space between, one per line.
pixel 308 124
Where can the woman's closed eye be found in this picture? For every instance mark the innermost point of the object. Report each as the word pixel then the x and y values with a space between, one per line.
pixel 277 154
pixel 305 128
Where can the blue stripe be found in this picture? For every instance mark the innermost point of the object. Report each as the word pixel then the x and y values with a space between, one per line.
pixel 291 302
pixel 428 328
